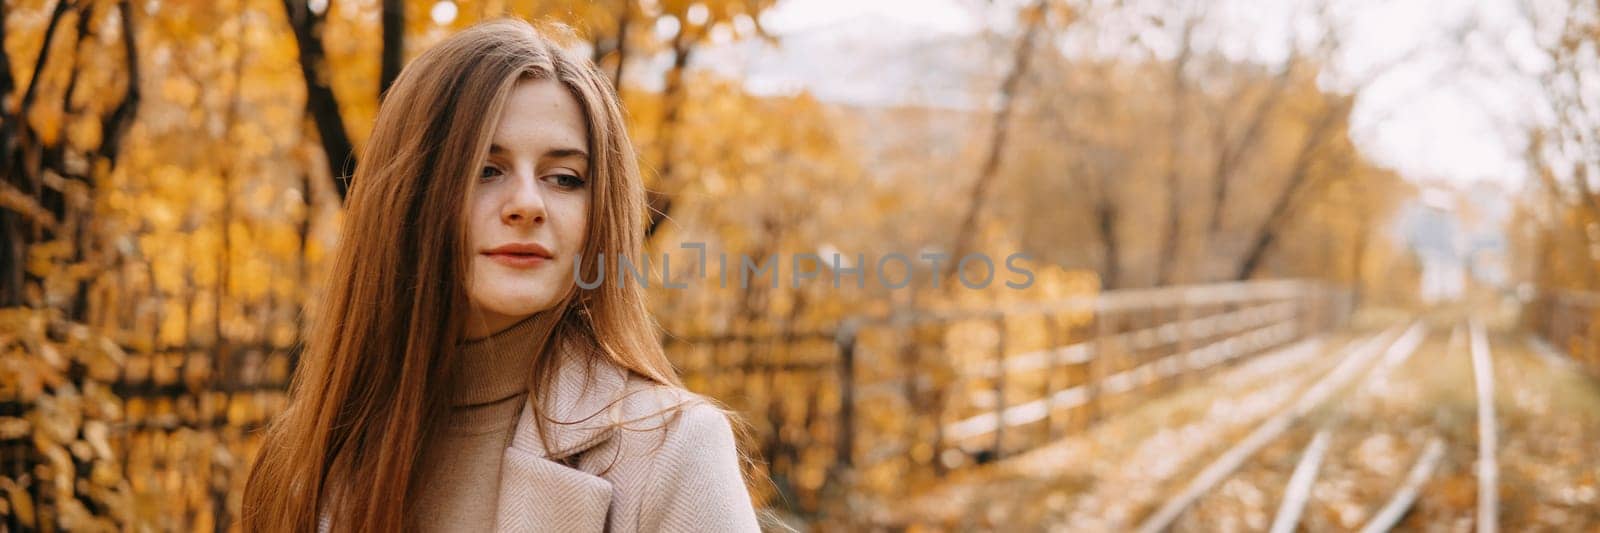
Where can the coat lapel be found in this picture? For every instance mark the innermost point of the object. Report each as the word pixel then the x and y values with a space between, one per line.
pixel 539 493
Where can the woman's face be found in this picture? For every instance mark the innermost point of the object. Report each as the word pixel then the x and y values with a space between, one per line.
pixel 529 210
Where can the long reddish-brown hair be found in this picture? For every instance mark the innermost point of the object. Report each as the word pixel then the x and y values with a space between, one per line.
pixel 373 379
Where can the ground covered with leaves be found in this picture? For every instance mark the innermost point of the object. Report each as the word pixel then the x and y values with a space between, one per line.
pixel 1115 476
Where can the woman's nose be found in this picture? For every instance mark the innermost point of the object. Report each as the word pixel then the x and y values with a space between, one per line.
pixel 526 204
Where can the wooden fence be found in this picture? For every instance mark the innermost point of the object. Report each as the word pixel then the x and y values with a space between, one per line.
pixel 884 403
pixel 870 406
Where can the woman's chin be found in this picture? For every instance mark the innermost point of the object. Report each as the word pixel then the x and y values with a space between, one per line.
pixel 520 307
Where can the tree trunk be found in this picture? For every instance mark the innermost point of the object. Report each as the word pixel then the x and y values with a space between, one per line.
pixel 1358 258
pixel 394 44
pixel 320 101
pixel 33 206
pixel 1229 154
pixel 967 229
pixel 1281 212
pixel 120 121
pixel 1111 264
pixel 623 22
pixel 7 86
pixel 1167 262
pixel 660 198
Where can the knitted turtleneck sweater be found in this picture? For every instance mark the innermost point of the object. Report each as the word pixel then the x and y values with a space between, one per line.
pixel 461 467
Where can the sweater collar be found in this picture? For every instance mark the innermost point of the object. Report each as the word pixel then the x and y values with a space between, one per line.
pixel 496 367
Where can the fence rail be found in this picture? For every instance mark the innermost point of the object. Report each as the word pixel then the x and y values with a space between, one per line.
pixel 930 393
pixel 882 402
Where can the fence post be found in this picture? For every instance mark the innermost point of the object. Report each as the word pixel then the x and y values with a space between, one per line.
pixel 1052 371
pixel 1000 385
pixel 1305 306
pixel 1185 345
pixel 1102 341
pixel 845 340
pixel 938 390
pixel 1339 307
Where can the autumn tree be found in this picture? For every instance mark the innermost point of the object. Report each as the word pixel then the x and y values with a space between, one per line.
pixel 1563 155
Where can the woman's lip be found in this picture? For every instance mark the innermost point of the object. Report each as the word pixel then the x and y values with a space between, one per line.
pixel 518 260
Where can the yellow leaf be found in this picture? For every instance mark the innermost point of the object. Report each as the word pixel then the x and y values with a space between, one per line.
pixel 51 355
pixel 95 433
pixel 84 132
pixel 21 503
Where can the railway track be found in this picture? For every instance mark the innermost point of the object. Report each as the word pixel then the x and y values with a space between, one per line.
pixel 1322 463
pixel 1437 425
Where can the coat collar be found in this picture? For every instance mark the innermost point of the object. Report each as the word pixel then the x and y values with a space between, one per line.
pixel 538 493
pixel 582 405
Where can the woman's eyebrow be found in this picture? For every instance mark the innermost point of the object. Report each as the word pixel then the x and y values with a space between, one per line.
pixel 558 153
pixel 553 153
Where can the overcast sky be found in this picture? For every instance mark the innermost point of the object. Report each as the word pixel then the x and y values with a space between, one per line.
pixel 1438 114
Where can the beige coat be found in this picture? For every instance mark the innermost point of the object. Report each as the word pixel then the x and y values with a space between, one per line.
pixel 654 474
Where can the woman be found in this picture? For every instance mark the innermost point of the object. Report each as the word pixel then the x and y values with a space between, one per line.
pixel 455 378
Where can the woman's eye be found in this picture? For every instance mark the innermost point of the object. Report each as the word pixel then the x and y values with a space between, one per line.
pixel 488 172
pixel 568 181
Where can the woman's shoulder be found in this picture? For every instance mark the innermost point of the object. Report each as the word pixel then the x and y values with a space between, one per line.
pixel 693 478
pixel 594 400
pixel 673 458
pixel 663 429
pixel 670 412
